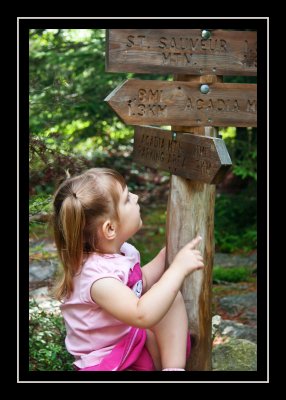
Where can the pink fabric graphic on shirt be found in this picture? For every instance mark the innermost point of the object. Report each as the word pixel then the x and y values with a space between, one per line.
pixel 131 352
pixel 135 275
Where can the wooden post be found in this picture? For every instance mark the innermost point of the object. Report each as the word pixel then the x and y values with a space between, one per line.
pixel 139 102
pixel 191 213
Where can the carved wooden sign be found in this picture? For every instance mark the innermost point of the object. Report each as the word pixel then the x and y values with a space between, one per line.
pixel 139 102
pixel 183 51
pixel 200 158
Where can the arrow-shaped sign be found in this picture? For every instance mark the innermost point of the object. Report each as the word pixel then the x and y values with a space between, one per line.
pixel 200 158
pixel 140 102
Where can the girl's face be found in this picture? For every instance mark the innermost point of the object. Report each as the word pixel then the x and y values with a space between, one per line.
pixel 129 214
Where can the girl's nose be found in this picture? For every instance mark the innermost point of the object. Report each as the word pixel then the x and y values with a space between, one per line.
pixel 136 197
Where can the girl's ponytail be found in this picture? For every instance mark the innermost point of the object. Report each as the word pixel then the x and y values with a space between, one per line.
pixel 69 241
pixel 72 222
pixel 79 204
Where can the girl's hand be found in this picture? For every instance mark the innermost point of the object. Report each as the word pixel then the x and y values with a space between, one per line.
pixel 188 258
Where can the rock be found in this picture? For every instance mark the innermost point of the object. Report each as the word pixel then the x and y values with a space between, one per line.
pixel 216 321
pixel 41 270
pixel 232 260
pixel 235 355
pixel 42 291
pixel 241 304
pixel 238 330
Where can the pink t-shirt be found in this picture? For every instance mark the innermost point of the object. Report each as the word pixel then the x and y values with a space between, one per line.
pixel 92 332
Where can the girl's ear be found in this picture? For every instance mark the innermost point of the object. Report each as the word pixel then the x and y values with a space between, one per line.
pixel 109 230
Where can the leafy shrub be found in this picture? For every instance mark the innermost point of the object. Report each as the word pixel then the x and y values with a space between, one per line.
pixel 235 222
pixel 239 274
pixel 47 350
pixel 40 203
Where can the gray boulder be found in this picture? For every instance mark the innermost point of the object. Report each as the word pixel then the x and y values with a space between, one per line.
pixel 235 355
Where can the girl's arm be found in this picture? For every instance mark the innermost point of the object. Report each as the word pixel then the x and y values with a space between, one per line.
pixel 153 271
pixel 121 302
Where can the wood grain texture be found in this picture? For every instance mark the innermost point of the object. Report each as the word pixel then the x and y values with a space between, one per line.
pixel 184 51
pixel 200 158
pixel 146 102
pixel 191 213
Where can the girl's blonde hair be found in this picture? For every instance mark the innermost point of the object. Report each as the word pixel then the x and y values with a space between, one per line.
pixel 80 203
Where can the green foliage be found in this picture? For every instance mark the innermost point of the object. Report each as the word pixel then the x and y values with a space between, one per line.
pixel 39 204
pixel 239 79
pixel 67 88
pixel 39 230
pixel 47 350
pixel 242 142
pixel 234 274
pixel 71 127
pixel 49 163
pixel 236 222
pixel 151 238
pixel 235 226
pixel 242 147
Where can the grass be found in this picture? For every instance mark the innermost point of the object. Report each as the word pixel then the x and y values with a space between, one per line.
pixel 233 274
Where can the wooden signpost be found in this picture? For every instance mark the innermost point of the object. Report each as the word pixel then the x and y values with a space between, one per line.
pixel 199 158
pixel 181 51
pixel 193 104
pixel 184 103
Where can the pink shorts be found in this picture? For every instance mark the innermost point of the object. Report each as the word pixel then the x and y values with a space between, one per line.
pixel 131 353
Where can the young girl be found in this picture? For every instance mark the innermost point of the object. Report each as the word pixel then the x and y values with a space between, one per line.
pixel 117 315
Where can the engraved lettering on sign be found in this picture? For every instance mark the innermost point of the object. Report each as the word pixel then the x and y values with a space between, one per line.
pixel 178 50
pixel 152 141
pixel 152 148
pixel 176 157
pixel 230 105
pixel 250 55
pixel 130 42
pixel 146 104
pixel 183 51
pixel 251 106
pixel 197 152
pixel 200 151
pixel 149 95
pixel 190 44
pixel 136 41
pixel 190 156
pixel 205 167
pixel 140 102
pixel 175 154
pixel 193 44
pixel 176 58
